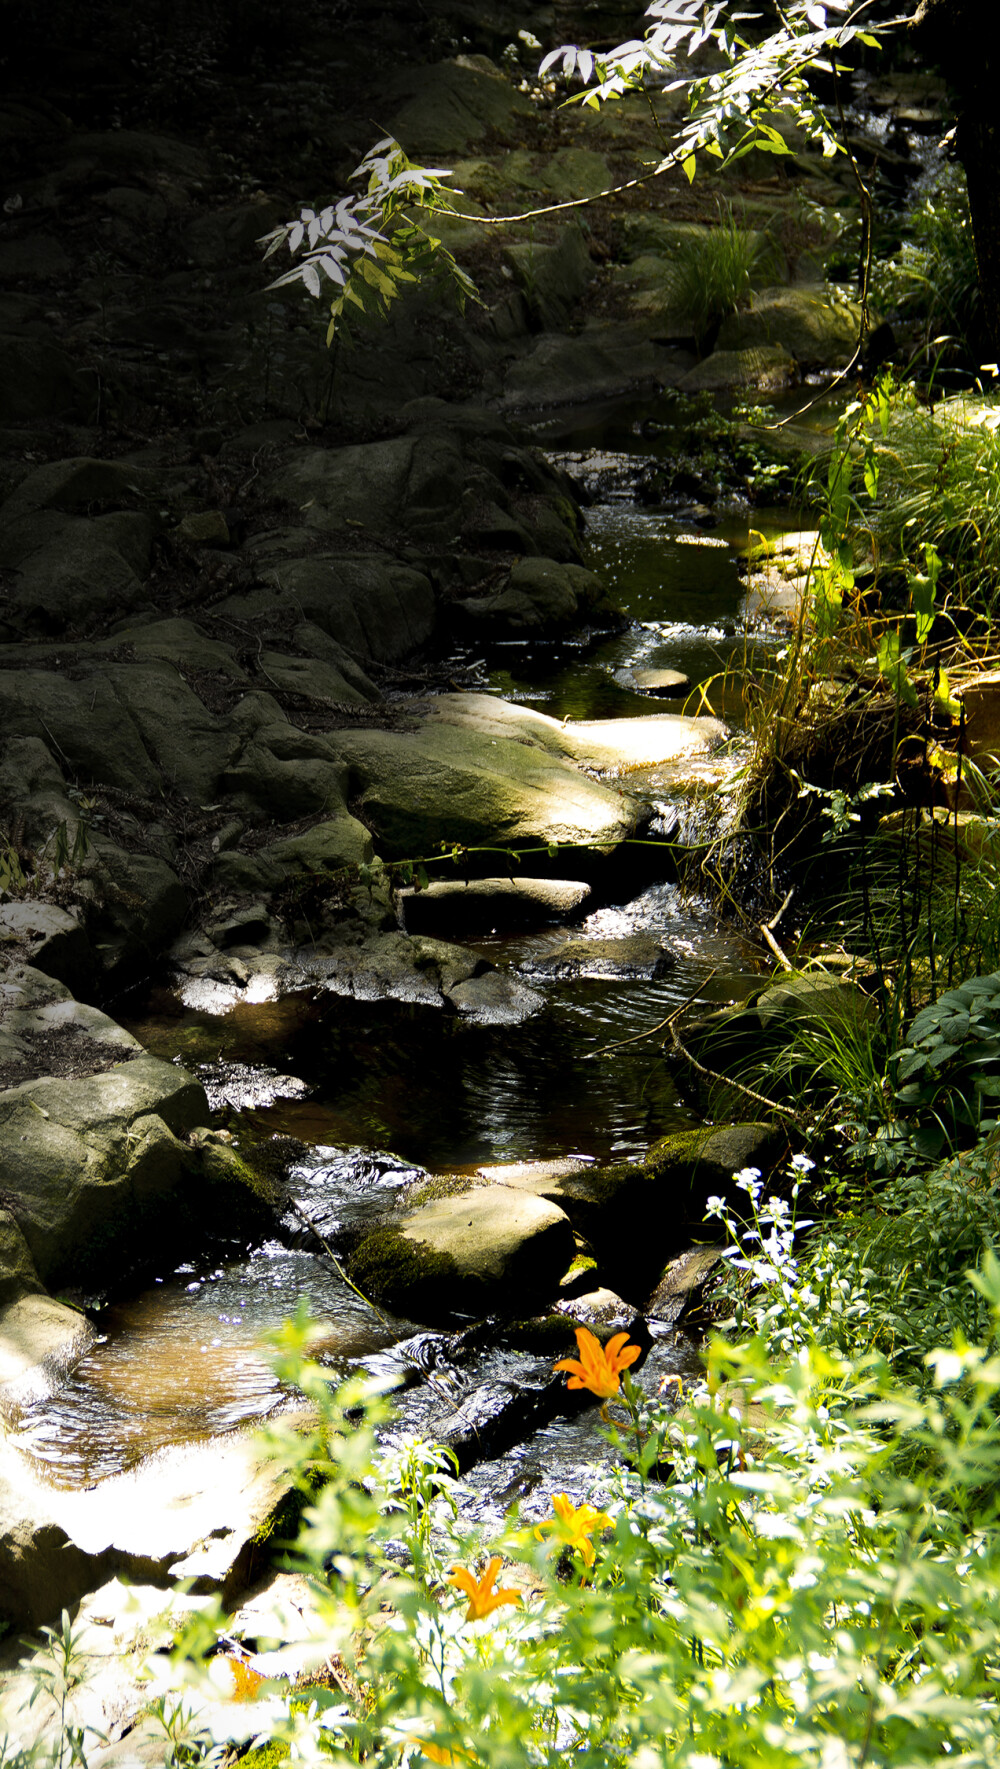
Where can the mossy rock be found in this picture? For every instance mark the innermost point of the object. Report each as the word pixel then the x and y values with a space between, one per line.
pixel 228 1193
pixel 636 1215
pixel 490 1249
pixel 820 329
pixel 395 1273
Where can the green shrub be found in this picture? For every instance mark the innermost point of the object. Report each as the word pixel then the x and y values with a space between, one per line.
pixel 933 278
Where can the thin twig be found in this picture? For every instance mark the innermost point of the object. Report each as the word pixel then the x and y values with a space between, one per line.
pixel 727 1080
pixel 789 894
pixel 671 1017
pixel 784 962
pixel 308 1223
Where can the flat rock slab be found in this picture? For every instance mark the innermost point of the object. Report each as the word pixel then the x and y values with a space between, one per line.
pixel 191 1512
pixel 476 784
pixel 479 905
pixel 606 746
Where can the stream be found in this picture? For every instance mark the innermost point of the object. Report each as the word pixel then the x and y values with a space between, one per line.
pixel 182 1359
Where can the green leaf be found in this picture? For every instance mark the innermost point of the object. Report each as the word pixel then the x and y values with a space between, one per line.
pixel 689 167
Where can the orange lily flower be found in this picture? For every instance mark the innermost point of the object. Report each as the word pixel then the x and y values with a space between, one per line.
pixel 437 1753
pixel 599 1366
pixel 574 1525
pixel 483 1600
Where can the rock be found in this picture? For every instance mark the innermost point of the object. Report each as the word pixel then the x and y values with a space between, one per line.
pixel 680 1288
pixel 539 595
pixel 283 773
pixel 39 381
pixel 314 680
pixel 85 722
pixel 406 485
pixel 821 332
pixel 49 939
pixel 192 1513
pixel 41 1571
pixel 40 1341
pixel 189 746
pixel 420 971
pixel 488 905
pixel 76 484
pixel 634 955
pixel 18 1276
pixel 208 529
pixel 597 363
pixel 93 1165
pixel 183 644
pixel 552 277
pixel 599 1308
pixel 495 999
pixel 329 846
pixel 370 605
pixel 765 367
pixel 488 1249
pixel 44 1031
pixel 666 1193
pixel 608 746
pixel 78 569
pixel 124 1632
pixel 814 1001
pixel 464 772
pixel 449 106
pixel 665 682
pixel 534 1175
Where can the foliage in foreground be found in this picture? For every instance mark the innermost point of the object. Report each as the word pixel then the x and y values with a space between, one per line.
pixel 802 1566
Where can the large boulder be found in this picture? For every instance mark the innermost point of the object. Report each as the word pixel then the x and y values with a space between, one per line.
pixel 552 277
pixel 192 1513
pixel 487 1249
pixel 539 595
pixel 93 1167
pixel 369 604
pixel 819 330
pixel 476 789
pixel 445 108
pixel 42 1029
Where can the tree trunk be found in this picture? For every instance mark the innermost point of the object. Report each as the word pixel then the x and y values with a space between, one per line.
pixel 963 38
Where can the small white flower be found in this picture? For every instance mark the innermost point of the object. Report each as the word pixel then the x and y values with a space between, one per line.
pixel 802 1164
pixel 748 1180
pixel 715 1206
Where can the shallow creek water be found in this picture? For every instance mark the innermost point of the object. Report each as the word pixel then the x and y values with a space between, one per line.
pixel 182 1360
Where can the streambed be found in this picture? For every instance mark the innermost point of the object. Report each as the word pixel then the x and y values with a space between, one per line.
pixel 182 1359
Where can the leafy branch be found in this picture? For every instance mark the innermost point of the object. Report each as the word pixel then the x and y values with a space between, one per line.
pixel 368 246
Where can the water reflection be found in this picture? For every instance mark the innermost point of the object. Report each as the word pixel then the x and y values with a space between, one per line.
pixel 185 1361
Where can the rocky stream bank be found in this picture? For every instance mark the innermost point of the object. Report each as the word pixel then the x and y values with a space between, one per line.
pixel 277 636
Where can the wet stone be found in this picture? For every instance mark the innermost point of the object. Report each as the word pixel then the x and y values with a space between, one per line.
pixel 665 682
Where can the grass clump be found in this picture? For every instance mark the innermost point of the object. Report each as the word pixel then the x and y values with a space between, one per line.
pixel 713 273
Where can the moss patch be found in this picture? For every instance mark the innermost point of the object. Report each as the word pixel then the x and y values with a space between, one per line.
pixel 446 1185
pixel 404 1275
